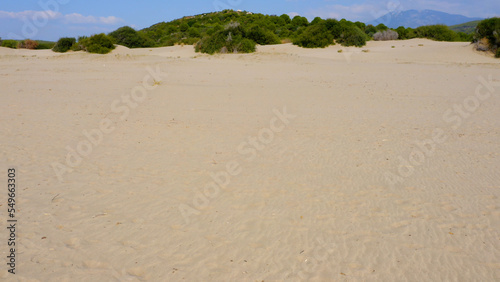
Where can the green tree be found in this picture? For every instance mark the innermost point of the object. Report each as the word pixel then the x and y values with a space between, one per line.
pixel 183 27
pixel 315 36
pixel 437 32
pixel 99 43
pixel 360 25
pixel 370 30
pixel 193 32
pixel 286 18
pixel 489 29
pixel 130 38
pixel 64 44
pixel 232 39
pixel 316 20
pixel 262 36
pixel 381 27
pixel 299 21
pixel 352 36
pixel 9 44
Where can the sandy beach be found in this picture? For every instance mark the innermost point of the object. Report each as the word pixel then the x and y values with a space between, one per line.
pixel 378 163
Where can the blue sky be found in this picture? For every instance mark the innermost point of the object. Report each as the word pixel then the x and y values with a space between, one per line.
pixel 52 19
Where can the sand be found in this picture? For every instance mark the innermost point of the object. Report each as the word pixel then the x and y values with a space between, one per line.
pixel 378 163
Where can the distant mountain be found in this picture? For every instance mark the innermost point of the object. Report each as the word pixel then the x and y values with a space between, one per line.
pixel 414 19
pixel 468 27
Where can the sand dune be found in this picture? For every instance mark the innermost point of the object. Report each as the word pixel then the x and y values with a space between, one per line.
pixel 370 164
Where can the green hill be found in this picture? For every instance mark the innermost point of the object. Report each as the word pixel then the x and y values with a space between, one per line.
pixel 232 31
pixel 189 30
pixel 468 27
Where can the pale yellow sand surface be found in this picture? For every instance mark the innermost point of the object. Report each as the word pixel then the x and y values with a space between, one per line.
pixel 379 163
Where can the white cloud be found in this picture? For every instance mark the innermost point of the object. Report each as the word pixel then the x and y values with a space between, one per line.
pixel 31 15
pixel 81 19
pixel 110 20
pixel 74 18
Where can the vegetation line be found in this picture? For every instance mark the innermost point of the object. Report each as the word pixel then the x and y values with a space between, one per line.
pixel 231 31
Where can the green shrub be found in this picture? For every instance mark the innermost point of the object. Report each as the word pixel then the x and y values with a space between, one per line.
pixel 130 38
pixel 489 29
pixel 232 39
pixel 437 32
pixel 262 36
pixel 193 32
pixel 79 45
pixel 497 55
pixel 286 18
pixel 464 37
pixel 45 45
pixel 352 36
pixel 64 44
pixel 99 43
pixel 315 36
pixel 299 21
pixel 370 30
pixel 9 44
pixel 405 33
pixel 316 20
pixel 184 27
pixel 381 27
pixel 360 25
pixel 246 46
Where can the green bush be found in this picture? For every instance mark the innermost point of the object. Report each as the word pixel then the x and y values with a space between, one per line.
pixel 316 20
pixel 489 29
pixel 324 32
pixel 45 45
pixel 286 18
pixel 130 38
pixel 246 46
pixel 184 27
pixel 232 39
pixel 370 30
pixel 193 32
pixel 497 55
pixel 464 37
pixel 262 36
pixel 64 44
pixel 315 36
pixel 352 36
pixel 437 32
pixel 299 21
pixel 381 27
pixel 79 45
pixel 99 43
pixel 10 44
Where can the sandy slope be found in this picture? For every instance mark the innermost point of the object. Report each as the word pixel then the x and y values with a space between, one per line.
pixel 318 197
